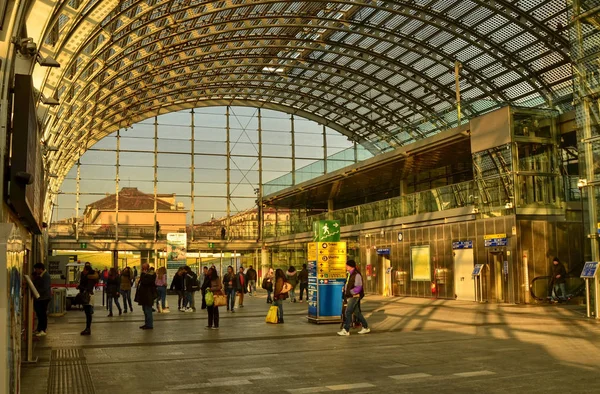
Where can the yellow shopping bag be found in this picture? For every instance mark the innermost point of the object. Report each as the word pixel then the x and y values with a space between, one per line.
pixel 272 315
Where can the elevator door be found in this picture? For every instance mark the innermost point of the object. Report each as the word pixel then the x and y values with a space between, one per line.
pixel 498 277
pixel 464 285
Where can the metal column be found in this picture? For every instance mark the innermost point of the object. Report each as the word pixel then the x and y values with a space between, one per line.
pixel 457 67
pixel 192 176
pixel 585 90
pixel 228 170
pixel 260 171
pixel 77 192
pixel 117 187
pixel 293 151
pixel 324 150
pixel 155 182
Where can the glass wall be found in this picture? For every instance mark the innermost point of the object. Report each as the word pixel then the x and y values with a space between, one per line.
pixel 197 171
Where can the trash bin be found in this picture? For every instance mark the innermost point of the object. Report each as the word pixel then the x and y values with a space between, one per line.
pixel 58 303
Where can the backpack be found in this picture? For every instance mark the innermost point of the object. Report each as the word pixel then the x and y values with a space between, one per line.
pixel 195 284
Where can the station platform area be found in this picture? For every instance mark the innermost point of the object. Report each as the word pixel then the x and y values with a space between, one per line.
pixel 416 345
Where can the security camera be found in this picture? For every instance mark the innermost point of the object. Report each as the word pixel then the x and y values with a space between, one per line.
pixel 30 48
pixel 27 47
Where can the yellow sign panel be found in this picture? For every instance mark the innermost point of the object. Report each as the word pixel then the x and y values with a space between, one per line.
pixel 332 275
pixel 333 258
pixel 494 236
pixel 332 246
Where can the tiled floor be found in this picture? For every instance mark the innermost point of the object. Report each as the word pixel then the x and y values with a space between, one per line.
pixel 416 346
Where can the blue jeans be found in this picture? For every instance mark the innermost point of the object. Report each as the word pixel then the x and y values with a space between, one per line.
pixel 293 294
pixel 112 298
pixel 230 299
pixel 279 304
pixel 148 319
pixel 563 292
pixel 269 296
pixel 127 299
pixel 162 296
pixel 353 307
pixel 189 299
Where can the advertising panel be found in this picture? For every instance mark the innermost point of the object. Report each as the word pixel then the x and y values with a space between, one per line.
pixel 176 253
pixel 420 261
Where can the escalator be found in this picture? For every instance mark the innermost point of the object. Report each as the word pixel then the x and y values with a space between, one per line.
pixel 575 286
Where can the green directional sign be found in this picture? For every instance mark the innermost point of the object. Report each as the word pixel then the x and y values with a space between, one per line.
pixel 211 245
pixel 83 245
pixel 326 231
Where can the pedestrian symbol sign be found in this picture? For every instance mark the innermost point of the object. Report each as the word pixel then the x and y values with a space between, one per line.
pixel 589 270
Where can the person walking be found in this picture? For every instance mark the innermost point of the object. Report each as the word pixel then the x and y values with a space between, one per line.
pixel 146 294
pixel 126 281
pixel 241 286
pixel 251 277
pixel 559 275
pixel 87 282
pixel 113 284
pixel 42 283
pixel 229 284
pixel 292 278
pixel 215 286
pixel 177 285
pixel 353 292
pixel 279 296
pixel 161 289
pixel 267 284
pixel 303 279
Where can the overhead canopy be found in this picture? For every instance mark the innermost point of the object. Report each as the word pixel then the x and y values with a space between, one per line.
pixel 380 72
pixel 378 176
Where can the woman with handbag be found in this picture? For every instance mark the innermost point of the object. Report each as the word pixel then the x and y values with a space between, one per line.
pixel 113 284
pixel 282 287
pixel 216 289
pixel 87 283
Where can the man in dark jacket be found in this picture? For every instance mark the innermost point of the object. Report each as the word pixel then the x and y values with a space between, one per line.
pixel 559 274
pixel 303 279
pixel 191 285
pixel 177 285
pixel 251 279
pixel 146 294
pixel 42 282
pixel 353 292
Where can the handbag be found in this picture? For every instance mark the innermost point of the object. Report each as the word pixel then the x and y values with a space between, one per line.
pixel 209 298
pixel 220 299
pixel 272 315
pixel 286 287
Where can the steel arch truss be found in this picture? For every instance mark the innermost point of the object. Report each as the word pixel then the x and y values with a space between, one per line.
pixel 380 72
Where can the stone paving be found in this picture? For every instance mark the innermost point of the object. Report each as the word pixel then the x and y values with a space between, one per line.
pixel 416 346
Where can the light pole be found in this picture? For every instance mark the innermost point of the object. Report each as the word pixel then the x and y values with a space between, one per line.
pixel 581 183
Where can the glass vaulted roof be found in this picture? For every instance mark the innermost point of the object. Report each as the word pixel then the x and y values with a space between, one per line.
pixel 380 72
